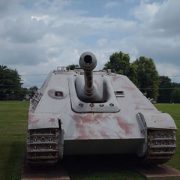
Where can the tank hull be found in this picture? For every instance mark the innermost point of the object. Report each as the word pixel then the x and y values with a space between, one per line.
pixel 124 122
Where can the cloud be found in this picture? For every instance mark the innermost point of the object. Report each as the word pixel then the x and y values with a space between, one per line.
pixel 50 6
pixel 159 19
pixel 111 4
pixel 159 31
pixel 102 42
pixel 47 36
pixel 26 54
pixel 168 69
pixel 146 11
pixel 23 29
pixel 91 25
pixel 167 18
pixel 38 36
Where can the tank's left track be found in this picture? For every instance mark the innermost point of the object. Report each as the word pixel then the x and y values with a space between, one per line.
pixel 161 146
pixel 44 146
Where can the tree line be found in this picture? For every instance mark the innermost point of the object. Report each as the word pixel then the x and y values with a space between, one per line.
pixel 11 85
pixel 142 72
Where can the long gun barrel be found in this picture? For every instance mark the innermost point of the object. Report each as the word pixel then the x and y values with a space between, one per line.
pixel 88 62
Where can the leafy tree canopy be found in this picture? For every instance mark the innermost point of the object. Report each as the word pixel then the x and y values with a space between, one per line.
pixel 72 66
pixel 147 76
pixel 142 72
pixel 175 96
pixel 10 83
pixel 119 62
pixel 165 89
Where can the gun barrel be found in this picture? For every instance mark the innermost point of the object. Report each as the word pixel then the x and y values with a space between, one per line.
pixel 88 62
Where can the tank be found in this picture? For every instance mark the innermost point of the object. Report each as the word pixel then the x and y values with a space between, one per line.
pixel 86 112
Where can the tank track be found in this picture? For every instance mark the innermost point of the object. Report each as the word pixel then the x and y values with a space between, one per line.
pixel 161 146
pixel 44 146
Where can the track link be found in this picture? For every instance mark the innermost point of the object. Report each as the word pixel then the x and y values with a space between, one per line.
pixel 161 146
pixel 44 146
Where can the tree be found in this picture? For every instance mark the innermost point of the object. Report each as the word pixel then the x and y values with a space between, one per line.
pixel 175 97
pixel 132 74
pixel 32 91
pixel 147 77
pixel 119 62
pixel 72 66
pixel 165 89
pixel 175 85
pixel 10 83
pixel 142 72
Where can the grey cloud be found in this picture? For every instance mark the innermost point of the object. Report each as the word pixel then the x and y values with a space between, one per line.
pixel 40 33
pixel 165 21
pixel 23 30
pixel 160 36
pixel 10 7
pixel 22 54
pixel 50 6
pixel 79 26
pixel 161 52
pixel 168 18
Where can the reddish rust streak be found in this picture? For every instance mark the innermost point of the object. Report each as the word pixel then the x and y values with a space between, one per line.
pixel 104 134
pixel 84 131
pixel 32 119
pixel 30 115
pixel 83 137
pixel 88 118
pixel 125 126
pixel 52 120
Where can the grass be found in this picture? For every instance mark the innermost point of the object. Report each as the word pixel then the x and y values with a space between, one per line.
pixel 174 111
pixel 13 124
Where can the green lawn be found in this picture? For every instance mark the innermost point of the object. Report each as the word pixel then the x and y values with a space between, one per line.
pixel 174 111
pixel 13 124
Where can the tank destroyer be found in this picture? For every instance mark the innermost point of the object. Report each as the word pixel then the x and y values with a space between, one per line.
pixel 83 112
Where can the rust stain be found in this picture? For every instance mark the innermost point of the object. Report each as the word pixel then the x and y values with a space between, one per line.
pixel 104 134
pixel 32 119
pixel 88 118
pixel 52 120
pixel 82 121
pixel 125 126
pixel 82 133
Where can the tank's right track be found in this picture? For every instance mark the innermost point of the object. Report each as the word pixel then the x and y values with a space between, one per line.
pixel 161 146
pixel 44 146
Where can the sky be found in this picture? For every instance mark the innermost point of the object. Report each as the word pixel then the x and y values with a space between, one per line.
pixel 37 36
